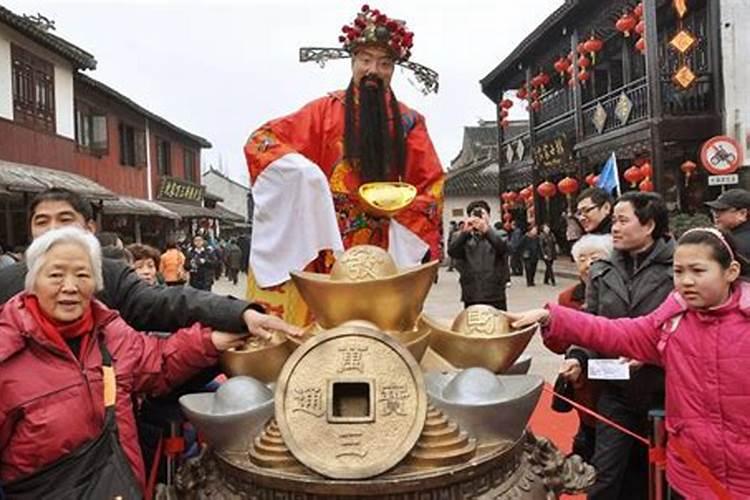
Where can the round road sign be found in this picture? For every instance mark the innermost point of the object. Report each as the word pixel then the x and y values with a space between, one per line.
pixel 721 155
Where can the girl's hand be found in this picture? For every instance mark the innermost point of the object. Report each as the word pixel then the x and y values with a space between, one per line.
pixel 526 318
pixel 571 370
pixel 224 341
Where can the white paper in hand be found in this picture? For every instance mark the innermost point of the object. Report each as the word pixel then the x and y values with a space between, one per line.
pixel 608 369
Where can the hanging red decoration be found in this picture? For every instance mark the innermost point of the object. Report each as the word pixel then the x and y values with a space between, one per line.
pixel 625 24
pixel 638 11
pixel 507 217
pixel 633 175
pixel 580 49
pixel 646 186
pixel 527 193
pixel 567 186
pixel 592 46
pixel 561 66
pixel 640 28
pixel 545 79
pixel 688 167
pixel 583 76
pixel 546 190
pixel 504 113
pixel 521 93
pixel 536 105
pixel 506 104
pixel 583 62
pixel 640 45
pixel 512 196
pixel 646 170
pixel 591 179
pixel 534 95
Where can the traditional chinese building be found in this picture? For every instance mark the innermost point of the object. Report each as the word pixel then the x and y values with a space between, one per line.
pixel 61 127
pixel 595 84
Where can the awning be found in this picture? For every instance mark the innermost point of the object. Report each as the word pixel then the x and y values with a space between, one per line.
pixel 32 179
pixel 126 205
pixel 189 211
pixel 227 215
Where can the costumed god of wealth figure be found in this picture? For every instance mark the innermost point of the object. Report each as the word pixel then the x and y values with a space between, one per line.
pixel 308 171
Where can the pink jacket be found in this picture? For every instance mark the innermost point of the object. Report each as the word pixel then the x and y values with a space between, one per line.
pixel 51 403
pixel 706 356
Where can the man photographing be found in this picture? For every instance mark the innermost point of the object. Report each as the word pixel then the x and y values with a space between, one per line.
pixel 479 251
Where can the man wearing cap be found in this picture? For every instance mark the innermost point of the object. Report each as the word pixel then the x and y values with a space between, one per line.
pixel 306 169
pixel 731 213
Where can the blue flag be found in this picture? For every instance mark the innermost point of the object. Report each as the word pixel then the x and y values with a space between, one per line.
pixel 609 178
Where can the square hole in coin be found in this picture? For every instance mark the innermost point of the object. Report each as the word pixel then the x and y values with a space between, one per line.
pixel 350 401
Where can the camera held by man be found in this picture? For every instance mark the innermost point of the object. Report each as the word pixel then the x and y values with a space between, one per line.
pixel 480 255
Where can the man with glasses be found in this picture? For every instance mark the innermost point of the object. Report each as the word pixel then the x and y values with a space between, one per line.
pixel 730 212
pixel 594 211
pixel 307 168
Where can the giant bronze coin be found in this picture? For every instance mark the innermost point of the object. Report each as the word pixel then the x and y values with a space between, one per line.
pixel 351 403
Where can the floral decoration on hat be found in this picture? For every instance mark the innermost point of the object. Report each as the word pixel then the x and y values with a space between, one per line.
pixel 372 27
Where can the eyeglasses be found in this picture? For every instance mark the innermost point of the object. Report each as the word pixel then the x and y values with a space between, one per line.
pixel 581 212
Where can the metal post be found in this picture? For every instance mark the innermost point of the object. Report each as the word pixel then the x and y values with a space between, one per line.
pixel 657 482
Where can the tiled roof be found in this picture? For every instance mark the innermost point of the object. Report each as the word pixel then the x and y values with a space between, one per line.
pixel 79 57
pixel 17 177
pixel 480 178
pixel 477 143
pixel 112 93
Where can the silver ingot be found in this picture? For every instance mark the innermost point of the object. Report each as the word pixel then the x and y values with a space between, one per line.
pixel 233 415
pixel 492 408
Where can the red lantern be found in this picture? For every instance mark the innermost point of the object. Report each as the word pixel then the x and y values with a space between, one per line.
pixel 562 65
pixel 521 93
pixel 591 179
pixel 527 193
pixel 646 170
pixel 580 49
pixel 583 62
pixel 583 76
pixel 507 217
pixel 506 104
pixel 638 11
pixel 546 190
pixel 545 79
pixel 625 24
pixel 504 113
pixel 646 186
pixel 512 196
pixel 633 175
pixel 534 95
pixel 688 167
pixel 568 186
pixel 640 45
pixel 640 28
pixel 536 105
pixel 592 46
pixel 537 81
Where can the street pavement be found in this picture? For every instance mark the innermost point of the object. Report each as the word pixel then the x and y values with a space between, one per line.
pixel 443 303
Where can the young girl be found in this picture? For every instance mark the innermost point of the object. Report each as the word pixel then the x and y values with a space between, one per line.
pixel 701 336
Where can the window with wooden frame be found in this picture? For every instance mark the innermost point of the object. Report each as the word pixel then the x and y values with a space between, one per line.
pixel 132 145
pixel 33 90
pixel 189 163
pixel 163 157
pixel 91 129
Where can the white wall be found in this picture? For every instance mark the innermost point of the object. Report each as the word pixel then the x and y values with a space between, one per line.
pixel 235 196
pixel 735 42
pixel 6 83
pixel 64 108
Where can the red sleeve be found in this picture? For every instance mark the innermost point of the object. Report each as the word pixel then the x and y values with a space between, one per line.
pixel 299 132
pixel 158 364
pixel 424 217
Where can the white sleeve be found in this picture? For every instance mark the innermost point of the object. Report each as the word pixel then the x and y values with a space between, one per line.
pixel 407 248
pixel 293 219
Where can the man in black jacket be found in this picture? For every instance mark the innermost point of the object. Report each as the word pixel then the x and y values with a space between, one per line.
pixel 594 211
pixel 479 251
pixel 632 282
pixel 142 306
pixel 731 213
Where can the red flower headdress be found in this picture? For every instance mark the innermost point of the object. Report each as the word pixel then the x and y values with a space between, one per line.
pixel 372 27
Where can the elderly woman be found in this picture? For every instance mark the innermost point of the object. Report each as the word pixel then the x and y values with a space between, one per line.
pixel 68 368
pixel 145 262
pixel 585 251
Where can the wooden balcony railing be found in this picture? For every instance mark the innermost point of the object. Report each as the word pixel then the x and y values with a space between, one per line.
pixel 698 99
pixel 636 92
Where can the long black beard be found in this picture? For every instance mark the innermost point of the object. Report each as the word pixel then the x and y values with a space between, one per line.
pixel 368 141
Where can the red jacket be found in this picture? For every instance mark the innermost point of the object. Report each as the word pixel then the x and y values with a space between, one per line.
pixel 706 355
pixel 52 403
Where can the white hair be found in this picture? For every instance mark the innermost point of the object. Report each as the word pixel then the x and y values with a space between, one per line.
pixel 592 242
pixel 36 254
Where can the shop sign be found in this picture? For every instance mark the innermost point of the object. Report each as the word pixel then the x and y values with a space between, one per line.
pixel 172 189
pixel 723 180
pixel 552 153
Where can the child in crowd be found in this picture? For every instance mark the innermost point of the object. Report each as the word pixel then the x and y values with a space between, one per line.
pixel 701 336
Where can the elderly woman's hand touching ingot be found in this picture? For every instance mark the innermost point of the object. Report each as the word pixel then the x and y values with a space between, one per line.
pixel 224 341
pixel 263 325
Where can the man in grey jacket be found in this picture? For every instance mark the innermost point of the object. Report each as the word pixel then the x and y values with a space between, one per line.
pixel 144 307
pixel 479 251
pixel 633 282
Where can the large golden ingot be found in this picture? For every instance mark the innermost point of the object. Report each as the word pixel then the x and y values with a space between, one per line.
pixel 259 359
pixel 483 338
pixel 363 289
pixel 416 340
pixel 386 199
